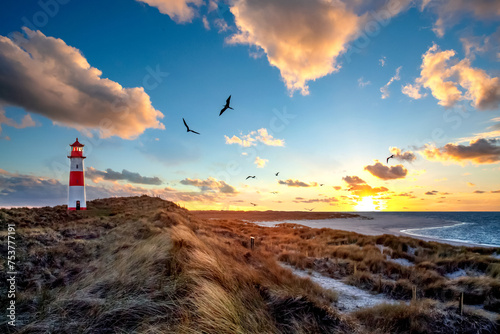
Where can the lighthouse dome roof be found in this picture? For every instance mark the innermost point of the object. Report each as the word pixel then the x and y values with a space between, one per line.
pixel 77 144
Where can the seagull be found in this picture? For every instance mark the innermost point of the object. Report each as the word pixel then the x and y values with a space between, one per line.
pixel 226 106
pixel 253 204
pixel 277 173
pixel 187 127
pixel 309 209
pixel 387 161
pixel 274 192
pixel 250 177
pixel 322 184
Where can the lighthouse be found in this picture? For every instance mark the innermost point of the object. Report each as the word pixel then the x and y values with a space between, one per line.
pixel 76 191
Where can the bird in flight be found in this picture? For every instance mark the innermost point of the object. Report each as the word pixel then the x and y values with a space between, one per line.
pixel 322 184
pixel 277 173
pixel 309 209
pixel 274 192
pixel 253 204
pixel 387 161
pixel 226 106
pixel 250 177
pixel 187 127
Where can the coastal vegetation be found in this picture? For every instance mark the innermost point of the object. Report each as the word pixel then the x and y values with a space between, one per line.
pixel 145 265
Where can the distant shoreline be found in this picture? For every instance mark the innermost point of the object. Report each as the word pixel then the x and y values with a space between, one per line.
pixel 367 223
pixel 381 223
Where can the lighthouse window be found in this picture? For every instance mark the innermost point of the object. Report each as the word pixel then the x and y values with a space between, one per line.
pixel 76 166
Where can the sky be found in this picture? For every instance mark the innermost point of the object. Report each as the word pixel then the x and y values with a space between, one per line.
pixel 323 91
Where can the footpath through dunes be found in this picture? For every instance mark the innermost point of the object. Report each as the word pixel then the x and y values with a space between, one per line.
pixel 145 265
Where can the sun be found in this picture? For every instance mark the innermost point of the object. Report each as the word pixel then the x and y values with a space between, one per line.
pixel 367 204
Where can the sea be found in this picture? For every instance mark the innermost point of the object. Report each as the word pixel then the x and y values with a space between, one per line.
pixel 471 227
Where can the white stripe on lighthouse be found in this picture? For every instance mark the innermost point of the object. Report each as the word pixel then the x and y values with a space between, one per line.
pixel 77 193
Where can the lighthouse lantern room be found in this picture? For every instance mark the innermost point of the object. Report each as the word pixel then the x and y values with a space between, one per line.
pixel 76 191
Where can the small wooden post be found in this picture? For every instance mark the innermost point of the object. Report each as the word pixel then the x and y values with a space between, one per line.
pixel 414 293
pixel 252 242
pixel 461 304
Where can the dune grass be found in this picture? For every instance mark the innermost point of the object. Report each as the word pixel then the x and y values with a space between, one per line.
pixel 144 265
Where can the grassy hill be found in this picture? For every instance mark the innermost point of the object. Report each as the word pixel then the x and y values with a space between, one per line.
pixel 145 265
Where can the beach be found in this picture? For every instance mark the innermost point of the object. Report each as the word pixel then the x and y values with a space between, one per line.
pixel 367 223
pixel 383 223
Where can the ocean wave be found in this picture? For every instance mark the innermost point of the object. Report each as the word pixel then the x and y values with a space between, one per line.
pixel 412 230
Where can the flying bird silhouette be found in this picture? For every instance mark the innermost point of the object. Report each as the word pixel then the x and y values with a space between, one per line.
pixel 250 177
pixel 309 209
pixel 226 106
pixel 187 127
pixel 274 192
pixel 253 204
pixel 391 157
pixel 277 173
pixel 322 184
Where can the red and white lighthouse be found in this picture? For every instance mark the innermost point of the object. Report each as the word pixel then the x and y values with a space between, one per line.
pixel 76 191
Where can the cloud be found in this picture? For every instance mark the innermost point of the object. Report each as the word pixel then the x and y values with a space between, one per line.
pixel 362 83
pixel 451 11
pixel 413 91
pixel 245 142
pixel 363 190
pixel 221 25
pixel 385 89
pixel 387 173
pixel 444 80
pixel 111 175
pixel 470 184
pixel 433 192
pixel 210 184
pixel 382 61
pixel 254 137
pixel 206 24
pixel 495 191
pixel 359 187
pixel 260 162
pixel 26 122
pixel 479 192
pixel 480 151
pixel 353 180
pixel 337 187
pixel 303 39
pixel 44 75
pixel 297 183
pixel 181 11
pixel 29 190
pixel 330 200
pixel 401 155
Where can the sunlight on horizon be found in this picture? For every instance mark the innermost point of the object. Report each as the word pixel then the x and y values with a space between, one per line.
pixel 367 204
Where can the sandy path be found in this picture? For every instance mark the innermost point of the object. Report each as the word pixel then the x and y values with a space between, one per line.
pixel 350 297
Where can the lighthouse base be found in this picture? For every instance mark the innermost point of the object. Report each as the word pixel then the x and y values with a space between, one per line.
pixel 74 209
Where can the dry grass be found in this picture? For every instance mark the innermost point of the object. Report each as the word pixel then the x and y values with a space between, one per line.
pixel 145 265
pixel 422 317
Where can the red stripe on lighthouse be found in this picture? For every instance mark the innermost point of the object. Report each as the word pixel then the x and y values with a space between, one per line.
pixel 76 178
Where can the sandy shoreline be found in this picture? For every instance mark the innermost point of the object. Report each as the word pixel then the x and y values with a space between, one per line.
pixel 381 223
pixel 367 223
